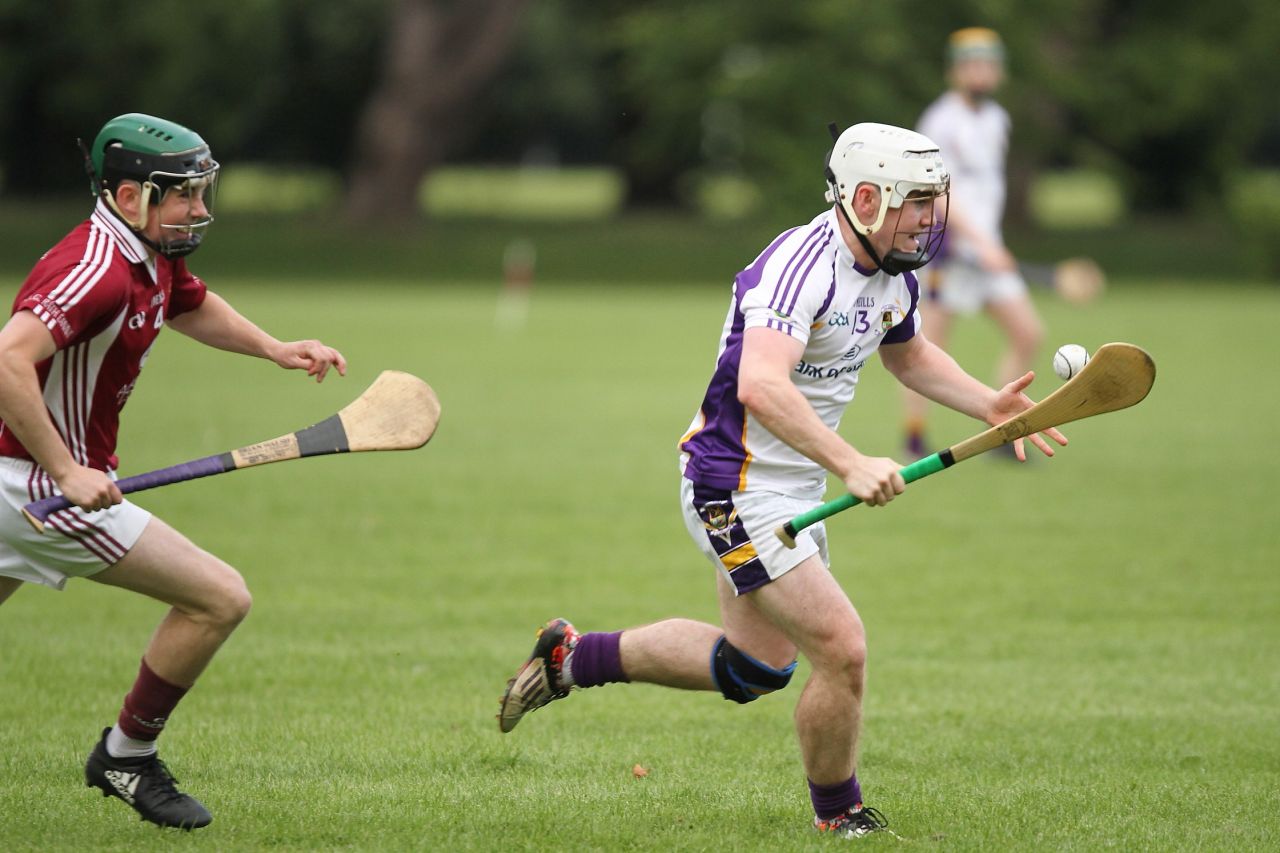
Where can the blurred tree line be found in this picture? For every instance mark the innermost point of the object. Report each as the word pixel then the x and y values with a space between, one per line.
pixel 1173 97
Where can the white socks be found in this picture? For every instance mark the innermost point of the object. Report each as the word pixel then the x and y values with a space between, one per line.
pixel 566 672
pixel 120 745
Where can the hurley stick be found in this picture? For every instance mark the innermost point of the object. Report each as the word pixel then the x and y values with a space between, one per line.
pixel 1117 377
pixel 397 412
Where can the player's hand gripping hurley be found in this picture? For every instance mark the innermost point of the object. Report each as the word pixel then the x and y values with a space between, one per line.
pixel 397 412
pixel 1117 377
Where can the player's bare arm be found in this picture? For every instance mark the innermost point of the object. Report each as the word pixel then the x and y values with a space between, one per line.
pixel 24 343
pixel 766 389
pixel 215 323
pixel 928 370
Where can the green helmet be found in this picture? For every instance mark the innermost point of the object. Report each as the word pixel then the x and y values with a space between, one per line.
pixel 159 155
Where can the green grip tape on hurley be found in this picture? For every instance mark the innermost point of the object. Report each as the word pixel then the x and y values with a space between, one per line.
pixel 920 468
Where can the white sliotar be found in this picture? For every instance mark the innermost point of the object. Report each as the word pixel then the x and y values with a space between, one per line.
pixel 1069 360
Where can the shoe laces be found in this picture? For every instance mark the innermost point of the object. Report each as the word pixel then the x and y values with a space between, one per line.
pixel 859 819
pixel 162 782
pixel 867 817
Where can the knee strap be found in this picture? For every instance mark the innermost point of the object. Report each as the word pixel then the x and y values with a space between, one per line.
pixel 741 677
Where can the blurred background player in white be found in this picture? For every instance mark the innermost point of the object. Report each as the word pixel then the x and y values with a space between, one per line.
pixel 82 325
pixel 975 270
pixel 805 317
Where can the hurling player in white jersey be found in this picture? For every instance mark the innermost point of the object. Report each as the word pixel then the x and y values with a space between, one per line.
pixel 803 319
pixel 975 270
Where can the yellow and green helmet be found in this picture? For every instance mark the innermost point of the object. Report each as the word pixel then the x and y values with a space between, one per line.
pixel 975 43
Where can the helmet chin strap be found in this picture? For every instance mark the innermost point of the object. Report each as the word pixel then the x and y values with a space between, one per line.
pixel 894 262
pixel 171 251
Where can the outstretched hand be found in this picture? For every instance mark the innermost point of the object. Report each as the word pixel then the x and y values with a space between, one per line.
pixel 1011 401
pixel 311 356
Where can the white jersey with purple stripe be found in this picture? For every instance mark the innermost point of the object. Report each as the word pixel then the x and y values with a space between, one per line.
pixel 807 285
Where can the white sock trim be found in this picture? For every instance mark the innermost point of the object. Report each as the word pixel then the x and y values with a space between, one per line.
pixel 120 745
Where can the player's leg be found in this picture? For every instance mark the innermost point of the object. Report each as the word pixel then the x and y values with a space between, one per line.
pixel 774 602
pixel 1023 330
pixel 671 653
pixel 8 586
pixel 207 599
pixel 681 653
pixel 745 659
pixel 809 607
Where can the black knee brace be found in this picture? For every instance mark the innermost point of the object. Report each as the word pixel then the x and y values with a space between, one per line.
pixel 741 677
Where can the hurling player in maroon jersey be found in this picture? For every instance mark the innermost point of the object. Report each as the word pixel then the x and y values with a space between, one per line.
pixel 81 328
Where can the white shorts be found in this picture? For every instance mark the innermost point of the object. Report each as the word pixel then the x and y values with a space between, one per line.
pixel 965 288
pixel 75 543
pixel 735 531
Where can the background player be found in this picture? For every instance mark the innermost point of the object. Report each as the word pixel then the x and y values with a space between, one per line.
pixel 975 271
pixel 804 318
pixel 82 326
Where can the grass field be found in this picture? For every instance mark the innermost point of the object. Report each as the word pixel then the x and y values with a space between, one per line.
pixel 1077 654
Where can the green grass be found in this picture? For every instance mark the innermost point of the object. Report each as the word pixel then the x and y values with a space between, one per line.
pixel 1078 654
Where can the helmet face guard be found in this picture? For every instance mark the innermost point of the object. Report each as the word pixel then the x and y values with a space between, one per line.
pixel 188 200
pixel 906 169
pixel 928 240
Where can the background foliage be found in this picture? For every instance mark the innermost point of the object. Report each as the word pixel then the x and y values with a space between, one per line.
pixel 1172 98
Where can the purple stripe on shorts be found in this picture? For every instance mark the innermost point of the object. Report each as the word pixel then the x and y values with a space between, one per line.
pixel 726 534
pixel 749 576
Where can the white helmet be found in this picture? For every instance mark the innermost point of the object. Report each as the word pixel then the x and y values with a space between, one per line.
pixel 897 162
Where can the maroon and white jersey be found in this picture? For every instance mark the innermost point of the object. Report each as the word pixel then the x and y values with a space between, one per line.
pixel 104 299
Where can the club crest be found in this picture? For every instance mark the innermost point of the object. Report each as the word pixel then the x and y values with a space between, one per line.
pixel 718 518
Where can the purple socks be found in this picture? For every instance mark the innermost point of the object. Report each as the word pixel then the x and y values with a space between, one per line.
pixel 832 800
pixel 597 659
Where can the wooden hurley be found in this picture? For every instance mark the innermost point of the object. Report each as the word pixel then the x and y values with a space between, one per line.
pixel 1117 377
pixel 397 412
